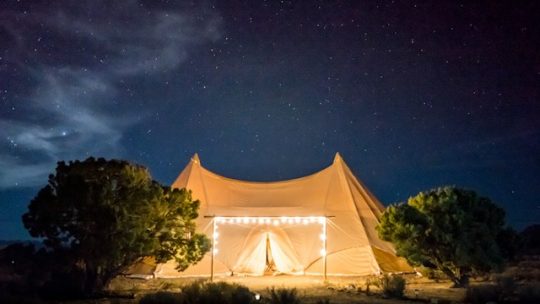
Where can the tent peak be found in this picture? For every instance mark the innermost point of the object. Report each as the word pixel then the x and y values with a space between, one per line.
pixel 338 157
pixel 195 158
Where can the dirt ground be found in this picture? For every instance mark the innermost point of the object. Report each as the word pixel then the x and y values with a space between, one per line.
pixel 339 290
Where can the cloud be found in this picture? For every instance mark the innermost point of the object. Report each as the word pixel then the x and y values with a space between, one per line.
pixel 70 58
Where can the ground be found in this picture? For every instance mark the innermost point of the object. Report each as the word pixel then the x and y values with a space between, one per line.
pixel 312 289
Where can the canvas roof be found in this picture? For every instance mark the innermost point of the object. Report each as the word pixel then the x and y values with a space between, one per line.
pixel 353 247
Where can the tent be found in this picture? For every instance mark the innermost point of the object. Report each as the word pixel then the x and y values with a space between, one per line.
pixel 321 224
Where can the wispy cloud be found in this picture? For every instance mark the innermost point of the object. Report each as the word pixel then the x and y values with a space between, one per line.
pixel 68 108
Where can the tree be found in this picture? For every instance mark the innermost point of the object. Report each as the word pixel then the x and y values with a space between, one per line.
pixel 107 214
pixel 448 229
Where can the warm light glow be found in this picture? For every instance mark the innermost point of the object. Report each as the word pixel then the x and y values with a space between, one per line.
pixel 257 296
pixel 269 220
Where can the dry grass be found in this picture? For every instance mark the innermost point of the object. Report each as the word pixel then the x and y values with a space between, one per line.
pixel 338 290
pixel 311 289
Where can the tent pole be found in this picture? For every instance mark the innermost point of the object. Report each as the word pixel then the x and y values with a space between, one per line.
pixel 213 250
pixel 325 246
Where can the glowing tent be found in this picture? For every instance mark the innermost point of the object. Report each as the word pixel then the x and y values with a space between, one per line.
pixel 317 224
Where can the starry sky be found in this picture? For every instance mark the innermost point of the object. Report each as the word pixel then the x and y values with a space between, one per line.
pixel 413 94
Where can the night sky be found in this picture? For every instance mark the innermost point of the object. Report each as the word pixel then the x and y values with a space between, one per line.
pixel 414 95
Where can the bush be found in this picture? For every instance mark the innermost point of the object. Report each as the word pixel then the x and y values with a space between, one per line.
pixel 371 281
pixel 392 286
pixel 504 290
pixel 284 296
pixel 203 293
pixel 482 294
pixel 224 293
pixel 161 297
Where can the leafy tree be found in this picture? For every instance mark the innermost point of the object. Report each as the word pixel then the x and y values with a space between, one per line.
pixel 449 229
pixel 107 214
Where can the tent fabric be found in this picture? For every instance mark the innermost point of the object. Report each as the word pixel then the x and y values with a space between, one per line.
pixel 352 211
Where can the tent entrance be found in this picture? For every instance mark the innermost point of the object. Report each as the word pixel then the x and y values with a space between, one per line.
pixel 268 245
pixel 270 266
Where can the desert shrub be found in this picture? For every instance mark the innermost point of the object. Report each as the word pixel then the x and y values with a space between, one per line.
pixel 191 293
pixel 161 297
pixel 504 290
pixel 284 296
pixel 370 281
pixel 392 286
pixel 529 293
pixel 482 294
pixel 203 293
pixel 242 294
pixel 225 293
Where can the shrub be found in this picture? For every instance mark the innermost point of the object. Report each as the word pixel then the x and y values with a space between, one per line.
pixel 203 293
pixel 482 294
pixel 370 281
pixel 392 286
pixel 284 296
pixel 224 293
pixel 161 297
pixel 503 291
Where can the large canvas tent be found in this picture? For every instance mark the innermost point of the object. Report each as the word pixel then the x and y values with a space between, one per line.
pixel 323 223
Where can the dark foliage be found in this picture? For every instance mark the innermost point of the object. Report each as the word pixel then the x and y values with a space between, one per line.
pixel 98 217
pixel 203 293
pixel 284 296
pixel 392 286
pixel 162 297
pixel 451 230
